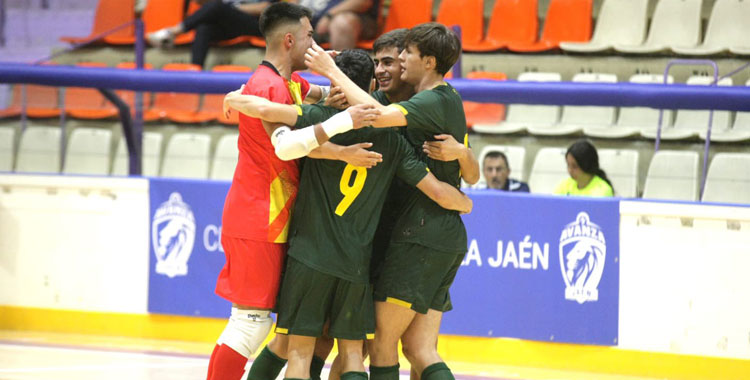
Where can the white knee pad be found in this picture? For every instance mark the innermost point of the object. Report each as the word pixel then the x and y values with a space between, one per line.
pixel 246 330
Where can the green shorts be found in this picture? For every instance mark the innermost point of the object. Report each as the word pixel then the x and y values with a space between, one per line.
pixel 418 277
pixel 308 298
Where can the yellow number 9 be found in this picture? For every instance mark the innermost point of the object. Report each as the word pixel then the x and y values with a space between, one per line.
pixel 350 191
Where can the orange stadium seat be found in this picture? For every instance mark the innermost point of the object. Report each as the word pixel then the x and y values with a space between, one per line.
pixel 512 21
pixel 486 113
pixel 109 15
pixel 129 96
pixel 41 102
pixel 88 103
pixel 239 40
pixel 157 15
pixel 167 102
pixel 258 41
pixel 212 103
pixel 407 13
pixel 567 20
pixel 468 14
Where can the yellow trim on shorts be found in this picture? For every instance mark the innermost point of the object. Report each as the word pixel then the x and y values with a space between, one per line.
pixel 370 336
pixel 298 108
pixel 281 330
pixel 400 108
pixel 398 302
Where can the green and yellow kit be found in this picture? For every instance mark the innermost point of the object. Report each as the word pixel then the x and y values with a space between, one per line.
pixel 427 242
pixel 332 230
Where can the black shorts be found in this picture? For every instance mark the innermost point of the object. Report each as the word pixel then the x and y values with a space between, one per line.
pixel 418 277
pixel 308 298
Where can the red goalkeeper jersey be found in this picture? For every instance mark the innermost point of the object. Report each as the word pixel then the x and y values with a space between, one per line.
pixel 260 200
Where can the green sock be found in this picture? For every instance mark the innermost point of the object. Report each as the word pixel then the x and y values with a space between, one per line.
pixel 316 367
pixel 354 376
pixel 266 366
pixel 384 373
pixel 437 371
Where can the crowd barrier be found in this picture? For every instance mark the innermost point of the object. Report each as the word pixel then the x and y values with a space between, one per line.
pixel 676 96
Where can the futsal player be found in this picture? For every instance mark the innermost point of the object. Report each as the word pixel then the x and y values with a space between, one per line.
pixel 258 206
pixel 428 242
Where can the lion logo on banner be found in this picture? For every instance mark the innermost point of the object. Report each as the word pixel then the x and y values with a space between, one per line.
pixel 173 236
pixel 582 257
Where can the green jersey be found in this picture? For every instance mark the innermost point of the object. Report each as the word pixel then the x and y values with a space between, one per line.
pixel 338 205
pixel 421 220
pixel 309 114
pixel 381 97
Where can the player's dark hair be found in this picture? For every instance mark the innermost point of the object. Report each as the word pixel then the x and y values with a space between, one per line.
pixel 281 13
pixel 358 66
pixel 584 152
pixel 435 40
pixel 497 154
pixel 394 38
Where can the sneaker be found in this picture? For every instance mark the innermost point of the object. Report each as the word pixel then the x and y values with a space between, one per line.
pixel 161 38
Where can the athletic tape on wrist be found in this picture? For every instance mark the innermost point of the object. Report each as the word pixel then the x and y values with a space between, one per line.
pixel 325 90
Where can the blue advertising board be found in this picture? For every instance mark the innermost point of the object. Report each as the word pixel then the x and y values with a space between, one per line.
pixel 185 249
pixel 539 268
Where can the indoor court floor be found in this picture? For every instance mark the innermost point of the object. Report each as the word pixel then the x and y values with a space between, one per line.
pixel 36 356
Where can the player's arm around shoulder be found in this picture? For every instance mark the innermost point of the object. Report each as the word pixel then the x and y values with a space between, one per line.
pixel 356 154
pixel 260 108
pixel 447 196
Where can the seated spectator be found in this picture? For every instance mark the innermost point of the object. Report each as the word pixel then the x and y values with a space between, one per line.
pixel 343 22
pixel 496 170
pixel 216 20
pixel 586 177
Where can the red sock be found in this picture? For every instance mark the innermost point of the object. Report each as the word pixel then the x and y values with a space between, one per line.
pixel 211 362
pixel 226 363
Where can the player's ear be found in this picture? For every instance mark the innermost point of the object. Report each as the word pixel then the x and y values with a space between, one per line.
pixel 430 63
pixel 373 84
pixel 288 40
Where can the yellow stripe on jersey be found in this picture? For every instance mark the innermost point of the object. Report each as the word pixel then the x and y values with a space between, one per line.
pixel 280 330
pixel 284 234
pixel 295 89
pixel 370 336
pixel 298 108
pixel 279 194
pixel 466 144
pixel 400 108
pixel 398 302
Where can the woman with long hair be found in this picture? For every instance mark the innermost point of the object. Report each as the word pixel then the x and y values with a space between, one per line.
pixel 586 177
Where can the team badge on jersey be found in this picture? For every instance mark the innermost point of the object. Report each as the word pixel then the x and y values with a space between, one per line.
pixel 582 253
pixel 173 236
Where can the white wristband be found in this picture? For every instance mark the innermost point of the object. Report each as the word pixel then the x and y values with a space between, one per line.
pixel 338 123
pixel 324 91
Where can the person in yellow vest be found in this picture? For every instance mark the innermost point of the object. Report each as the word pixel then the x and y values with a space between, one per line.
pixel 586 177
